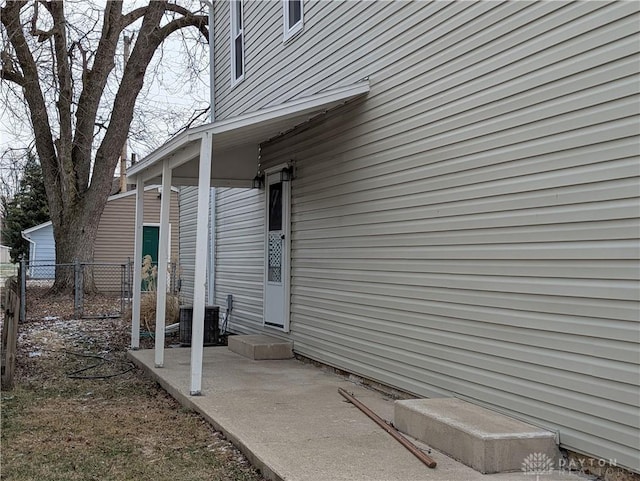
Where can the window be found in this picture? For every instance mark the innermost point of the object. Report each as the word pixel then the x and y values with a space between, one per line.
pixel 293 17
pixel 237 42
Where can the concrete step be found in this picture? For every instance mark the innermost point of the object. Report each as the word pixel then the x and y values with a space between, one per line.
pixel 487 441
pixel 260 347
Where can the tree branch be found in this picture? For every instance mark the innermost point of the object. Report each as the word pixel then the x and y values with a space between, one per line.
pixel 12 76
pixel 189 20
pixel 132 16
pixel 10 18
pixel 8 70
pixel 149 38
pixel 35 31
pixel 93 84
pixel 65 99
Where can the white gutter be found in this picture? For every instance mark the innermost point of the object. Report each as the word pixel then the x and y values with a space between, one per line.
pixel 212 70
pixel 212 248
pixel 32 247
pixel 212 113
pixel 212 117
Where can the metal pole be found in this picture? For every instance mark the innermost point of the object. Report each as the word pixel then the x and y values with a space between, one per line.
pixel 430 462
pixel 137 265
pixel 123 287
pixel 78 289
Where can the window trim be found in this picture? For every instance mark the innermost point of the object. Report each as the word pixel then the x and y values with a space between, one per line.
pixel 233 21
pixel 289 33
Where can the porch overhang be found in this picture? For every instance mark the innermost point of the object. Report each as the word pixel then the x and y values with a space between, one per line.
pixel 235 141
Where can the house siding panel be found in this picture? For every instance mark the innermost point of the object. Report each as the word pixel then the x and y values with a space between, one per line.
pixel 115 239
pixel 470 228
pixel 116 234
pixel 239 256
pixel 42 253
pixel 188 219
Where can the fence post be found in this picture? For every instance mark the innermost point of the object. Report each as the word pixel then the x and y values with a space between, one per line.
pixel 124 268
pixel 78 288
pixel 23 290
pixel 10 331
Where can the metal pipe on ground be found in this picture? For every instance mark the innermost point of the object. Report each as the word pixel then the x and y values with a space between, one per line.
pixel 430 462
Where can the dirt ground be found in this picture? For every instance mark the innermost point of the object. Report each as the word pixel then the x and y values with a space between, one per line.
pixel 80 411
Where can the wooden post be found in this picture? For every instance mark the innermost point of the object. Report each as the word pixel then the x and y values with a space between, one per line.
pixel 10 332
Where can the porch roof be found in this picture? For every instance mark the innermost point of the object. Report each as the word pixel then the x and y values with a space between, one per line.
pixel 234 156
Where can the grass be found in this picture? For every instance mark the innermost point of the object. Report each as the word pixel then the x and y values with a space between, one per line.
pixel 121 428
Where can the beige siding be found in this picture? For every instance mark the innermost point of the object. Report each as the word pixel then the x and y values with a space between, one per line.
pixel 239 256
pixel 471 227
pixel 114 243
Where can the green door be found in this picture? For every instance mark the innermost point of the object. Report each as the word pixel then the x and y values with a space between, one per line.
pixel 150 242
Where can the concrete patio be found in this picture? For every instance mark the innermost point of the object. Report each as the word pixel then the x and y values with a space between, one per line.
pixel 289 420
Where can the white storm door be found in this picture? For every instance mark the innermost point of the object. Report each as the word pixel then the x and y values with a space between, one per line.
pixel 276 276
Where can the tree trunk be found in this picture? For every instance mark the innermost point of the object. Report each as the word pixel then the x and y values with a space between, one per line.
pixel 75 240
pixel 77 182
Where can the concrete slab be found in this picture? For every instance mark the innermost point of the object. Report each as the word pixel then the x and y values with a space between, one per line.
pixel 487 441
pixel 261 347
pixel 289 420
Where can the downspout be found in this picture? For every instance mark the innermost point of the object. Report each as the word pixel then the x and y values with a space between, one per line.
pixel 212 77
pixel 212 119
pixel 32 253
pixel 212 247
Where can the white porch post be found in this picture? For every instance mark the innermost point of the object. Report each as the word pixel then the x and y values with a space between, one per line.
pixel 197 328
pixel 137 265
pixel 163 263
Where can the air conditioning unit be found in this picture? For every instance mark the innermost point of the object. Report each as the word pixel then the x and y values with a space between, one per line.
pixel 211 327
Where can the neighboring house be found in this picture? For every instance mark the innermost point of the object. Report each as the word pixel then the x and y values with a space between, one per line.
pixel 5 254
pixel 42 251
pixel 450 199
pixel 114 242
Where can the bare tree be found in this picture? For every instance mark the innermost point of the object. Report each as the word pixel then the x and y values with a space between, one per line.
pixel 63 63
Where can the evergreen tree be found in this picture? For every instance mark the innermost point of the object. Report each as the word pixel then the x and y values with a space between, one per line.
pixel 26 209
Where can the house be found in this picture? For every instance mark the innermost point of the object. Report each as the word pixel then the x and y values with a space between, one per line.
pixel 5 254
pixel 42 251
pixel 449 200
pixel 114 242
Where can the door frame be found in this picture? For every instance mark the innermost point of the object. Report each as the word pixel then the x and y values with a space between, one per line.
pixel 157 224
pixel 286 261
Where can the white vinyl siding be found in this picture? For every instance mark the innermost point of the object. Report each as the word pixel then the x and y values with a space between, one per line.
pixel 240 256
pixel 42 253
pixel 188 254
pixel 188 217
pixel 471 227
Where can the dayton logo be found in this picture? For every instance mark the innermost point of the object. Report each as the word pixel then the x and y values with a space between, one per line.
pixel 537 464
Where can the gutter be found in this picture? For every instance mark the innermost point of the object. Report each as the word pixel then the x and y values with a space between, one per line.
pixel 32 247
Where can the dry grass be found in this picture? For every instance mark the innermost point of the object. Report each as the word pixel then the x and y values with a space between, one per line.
pixel 121 428
pixel 148 310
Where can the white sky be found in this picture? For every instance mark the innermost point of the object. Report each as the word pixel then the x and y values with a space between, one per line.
pixel 170 91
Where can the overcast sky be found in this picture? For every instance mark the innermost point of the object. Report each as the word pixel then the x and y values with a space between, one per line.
pixel 171 99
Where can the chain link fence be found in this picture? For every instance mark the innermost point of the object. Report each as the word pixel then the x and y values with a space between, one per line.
pixel 100 290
